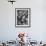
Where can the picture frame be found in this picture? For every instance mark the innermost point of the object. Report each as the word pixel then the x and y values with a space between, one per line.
pixel 22 17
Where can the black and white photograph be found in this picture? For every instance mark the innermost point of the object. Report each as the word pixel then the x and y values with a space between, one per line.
pixel 22 17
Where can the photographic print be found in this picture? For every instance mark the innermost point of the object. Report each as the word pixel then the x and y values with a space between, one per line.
pixel 22 17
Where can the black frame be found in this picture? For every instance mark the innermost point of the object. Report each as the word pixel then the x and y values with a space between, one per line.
pixel 28 15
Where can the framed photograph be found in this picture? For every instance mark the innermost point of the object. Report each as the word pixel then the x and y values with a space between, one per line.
pixel 22 17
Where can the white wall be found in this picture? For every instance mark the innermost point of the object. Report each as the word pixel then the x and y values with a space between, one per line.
pixel 8 30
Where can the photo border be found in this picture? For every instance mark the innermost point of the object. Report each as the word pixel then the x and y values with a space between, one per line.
pixel 29 17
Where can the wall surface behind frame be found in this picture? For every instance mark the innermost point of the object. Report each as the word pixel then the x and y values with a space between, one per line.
pixel 8 31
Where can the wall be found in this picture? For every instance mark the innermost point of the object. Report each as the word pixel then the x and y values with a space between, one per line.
pixel 8 31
